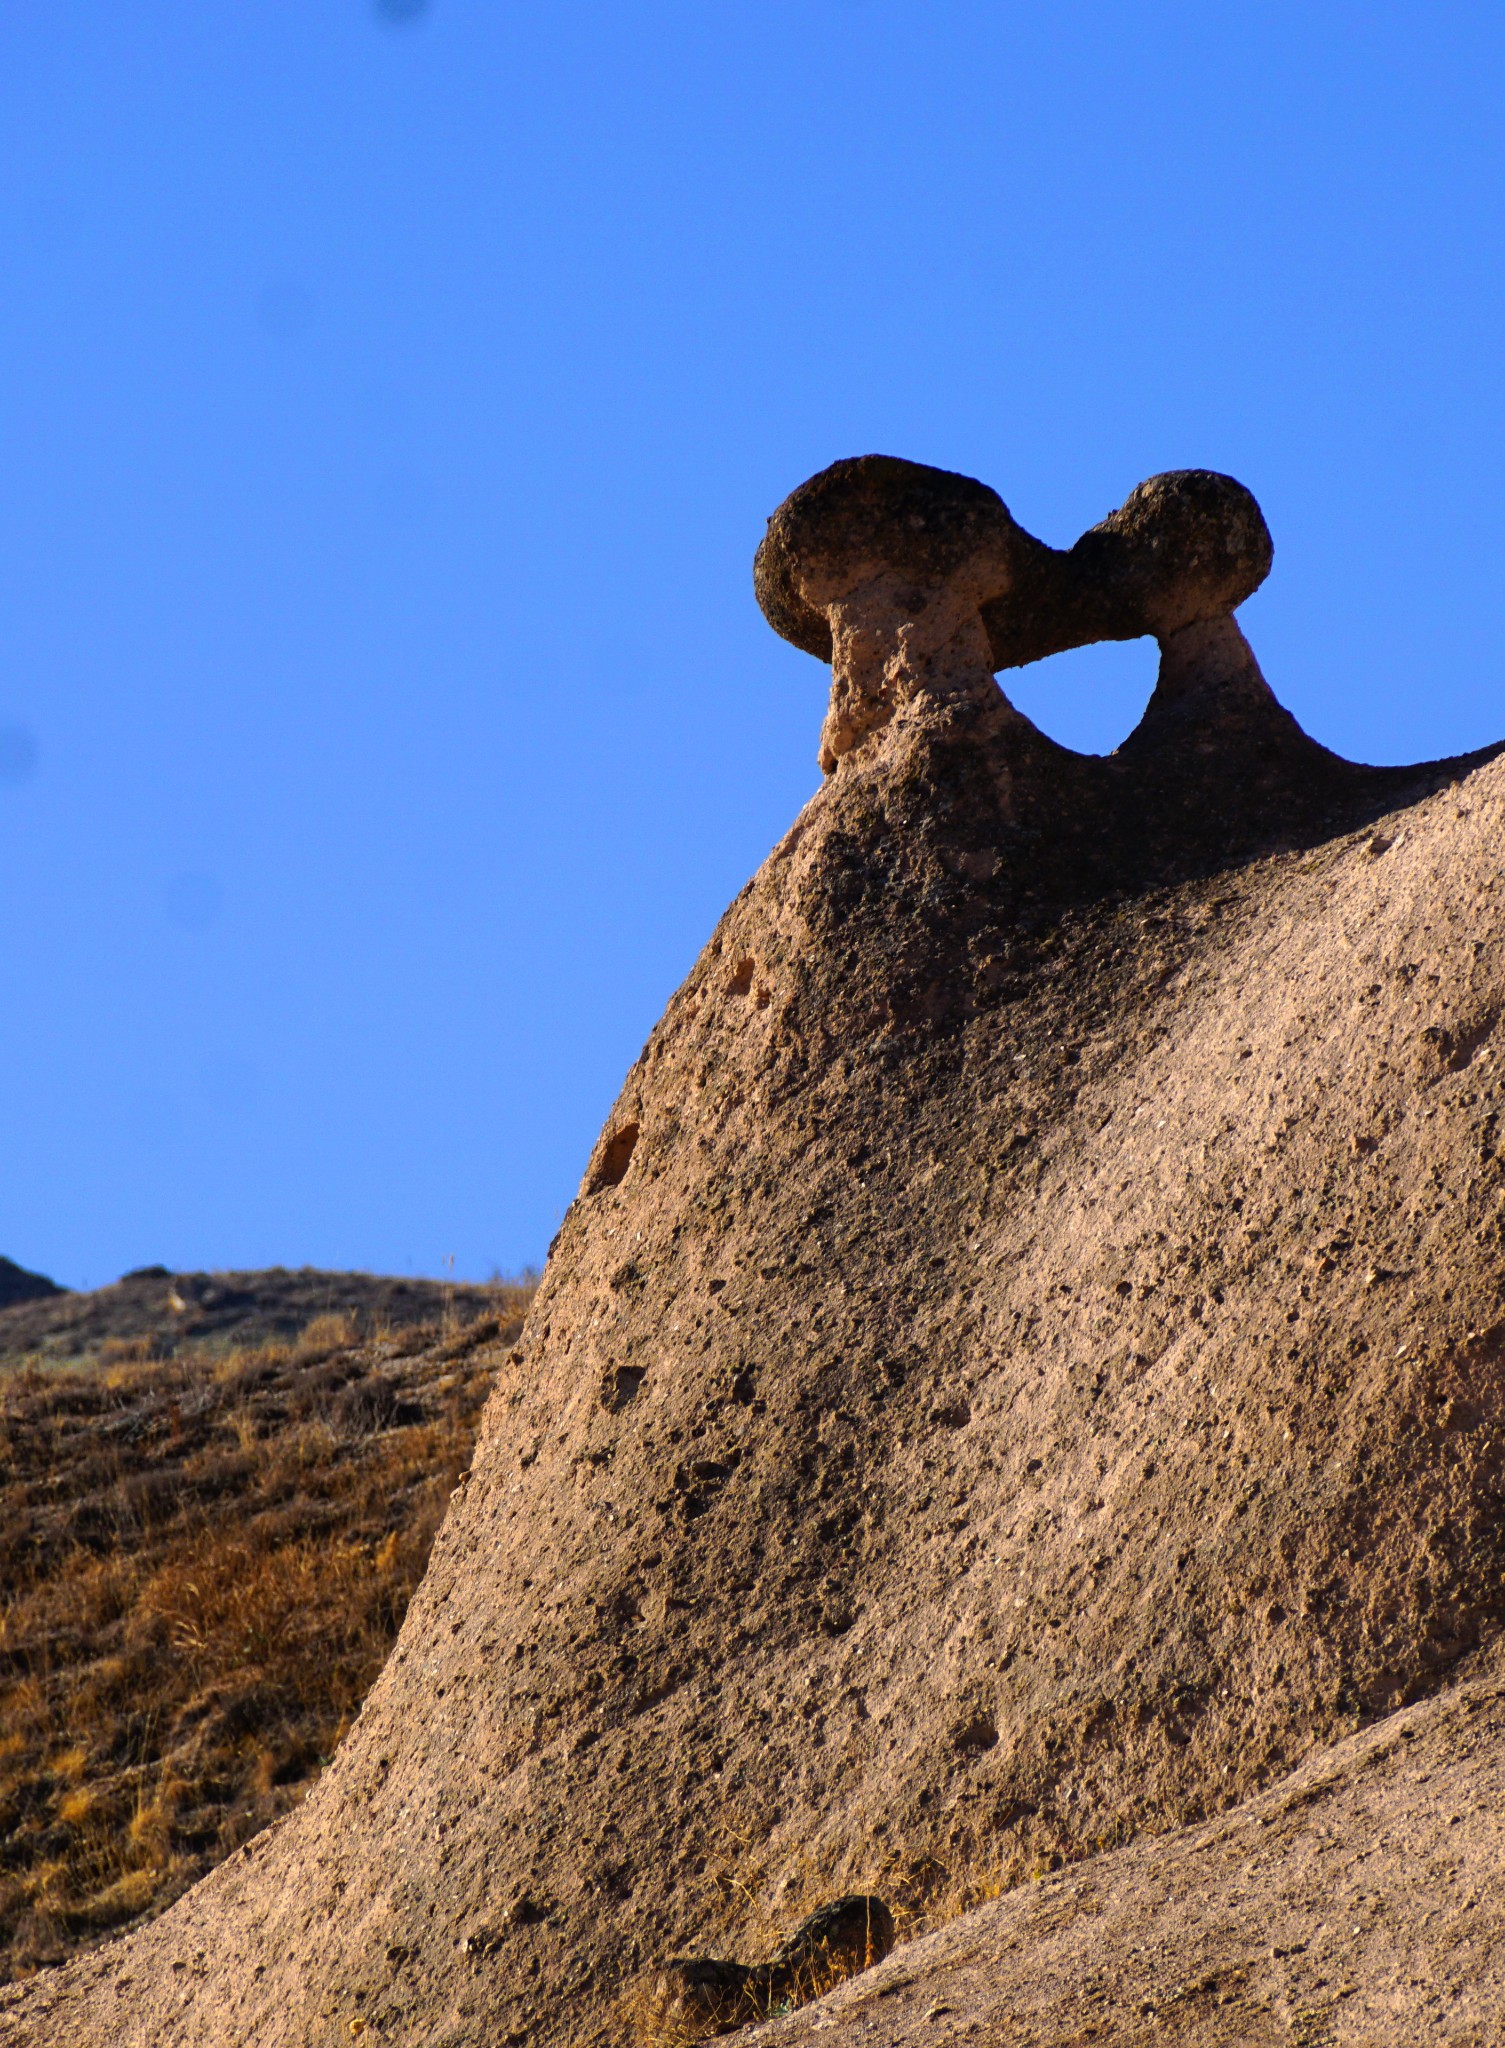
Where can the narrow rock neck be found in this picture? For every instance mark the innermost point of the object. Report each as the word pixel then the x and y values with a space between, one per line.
pixel 1210 697
pixel 892 645
pixel 1210 660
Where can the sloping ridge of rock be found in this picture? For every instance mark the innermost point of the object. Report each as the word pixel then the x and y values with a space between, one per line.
pixel 1023 1368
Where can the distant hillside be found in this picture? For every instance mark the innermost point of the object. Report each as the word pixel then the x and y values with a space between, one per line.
pixel 205 1559
pixel 17 1285
pixel 155 1312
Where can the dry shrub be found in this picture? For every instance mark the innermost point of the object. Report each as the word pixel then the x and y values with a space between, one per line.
pixel 116 1351
pixel 203 1564
pixel 326 1334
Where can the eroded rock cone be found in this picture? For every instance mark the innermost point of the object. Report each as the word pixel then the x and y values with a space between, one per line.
pixel 1024 1365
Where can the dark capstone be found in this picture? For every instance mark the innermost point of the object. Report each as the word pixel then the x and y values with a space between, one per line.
pixel 875 511
pixel 1184 546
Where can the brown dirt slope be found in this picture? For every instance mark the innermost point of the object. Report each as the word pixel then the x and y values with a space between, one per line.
pixel 1023 1370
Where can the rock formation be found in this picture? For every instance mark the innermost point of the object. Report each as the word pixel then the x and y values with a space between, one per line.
pixel 1024 1364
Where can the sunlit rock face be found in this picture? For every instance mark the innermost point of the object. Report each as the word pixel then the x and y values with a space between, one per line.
pixel 1023 1365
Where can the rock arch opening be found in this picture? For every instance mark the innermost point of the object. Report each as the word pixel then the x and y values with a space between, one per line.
pixel 1088 698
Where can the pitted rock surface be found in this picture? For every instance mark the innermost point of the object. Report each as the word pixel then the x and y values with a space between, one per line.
pixel 1355 1904
pixel 1024 1369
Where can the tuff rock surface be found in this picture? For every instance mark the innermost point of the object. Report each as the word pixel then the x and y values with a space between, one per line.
pixel 1356 1903
pixel 1023 1370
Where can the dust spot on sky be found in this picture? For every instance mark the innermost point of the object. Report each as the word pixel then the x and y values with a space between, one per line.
pixel 231 1084
pixel 396 13
pixel 193 901
pixel 402 495
pixel 285 308
pixel 18 755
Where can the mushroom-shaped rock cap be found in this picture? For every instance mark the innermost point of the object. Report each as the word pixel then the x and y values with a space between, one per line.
pixel 1185 546
pixel 875 515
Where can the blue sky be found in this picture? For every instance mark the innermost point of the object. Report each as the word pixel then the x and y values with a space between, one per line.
pixel 390 404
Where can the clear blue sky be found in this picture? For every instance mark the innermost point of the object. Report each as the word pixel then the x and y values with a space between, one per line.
pixel 390 403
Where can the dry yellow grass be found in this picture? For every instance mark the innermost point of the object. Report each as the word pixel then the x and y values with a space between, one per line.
pixel 203 1563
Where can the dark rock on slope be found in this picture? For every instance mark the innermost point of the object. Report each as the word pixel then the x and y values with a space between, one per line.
pixel 16 1285
pixel 1024 1367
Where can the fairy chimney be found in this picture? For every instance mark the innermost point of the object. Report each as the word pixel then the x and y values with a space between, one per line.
pixel 961 1421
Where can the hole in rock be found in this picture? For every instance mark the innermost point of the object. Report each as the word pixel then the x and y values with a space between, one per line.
pixel 1090 698
pixel 741 980
pixel 616 1157
pixel 621 1386
pixel 952 1413
pixel 976 1736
